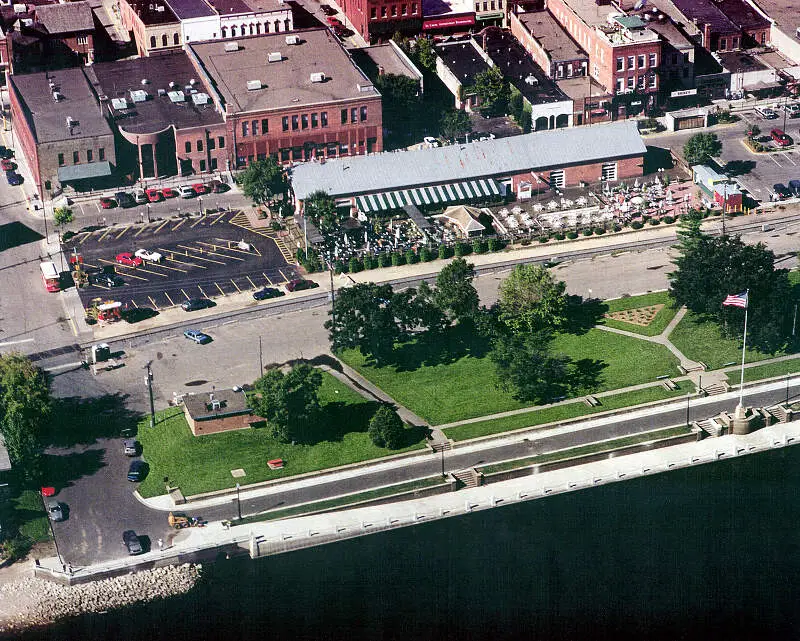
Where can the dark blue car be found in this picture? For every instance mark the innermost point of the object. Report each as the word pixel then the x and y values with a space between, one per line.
pixel 13 178
pixel 137 471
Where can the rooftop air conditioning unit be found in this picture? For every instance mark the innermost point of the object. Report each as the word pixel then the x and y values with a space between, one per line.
pixel 292 40
pixel 253 85
pixel 231 46
pixel 275 56
pixel 216 405
pixel 162 92
pixel 145 81
pixel 70 121
pixel 173 85
pixel 56 96
pixel 192 82
pixel 160 8
pixel 318 77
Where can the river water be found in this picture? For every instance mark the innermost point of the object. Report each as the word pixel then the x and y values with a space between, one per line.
pixel 710 552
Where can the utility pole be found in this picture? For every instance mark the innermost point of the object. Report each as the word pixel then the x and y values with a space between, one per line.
pixel 260 357
pixel 149 382
pixel 333 292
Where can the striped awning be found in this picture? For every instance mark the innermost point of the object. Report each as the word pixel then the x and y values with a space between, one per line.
pixel 426 196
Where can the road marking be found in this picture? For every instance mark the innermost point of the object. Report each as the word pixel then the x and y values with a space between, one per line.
pixel 251 281
pixel 176 269
pixel 185 294
pixel 124 229
pixel 235 285
pixel 210 260
pixel 286 280
pixel 182 262
pixel 183 220
pixel 56 368
pixel 198 221
pixel 22 340
pixel 133 302
pixel 218 218
pixel 220 289
pixel 214 253
pixel 786 155
pixel 202 292
pixel 153 303
pixel 80 237
pixel 269 282
pixel 108 231
pixel 144 228
pixel 227 249
pixel 773 160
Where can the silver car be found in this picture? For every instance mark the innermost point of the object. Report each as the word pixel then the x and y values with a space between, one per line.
pixel 54 511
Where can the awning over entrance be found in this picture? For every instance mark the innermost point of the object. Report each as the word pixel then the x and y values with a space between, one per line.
pixel 425 196
pixel 84 171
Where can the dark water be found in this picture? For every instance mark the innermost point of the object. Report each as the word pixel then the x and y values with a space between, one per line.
pixel 706 553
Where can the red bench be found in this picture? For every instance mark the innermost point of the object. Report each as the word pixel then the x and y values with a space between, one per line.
pixel 275 464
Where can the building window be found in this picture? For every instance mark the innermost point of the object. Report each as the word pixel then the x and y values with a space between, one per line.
pixel 224 32
pixel 304 121
pixel 82 40
pixel 60 160
pixel 608 171
pixel 404 9
pixel 723 44
pixel 314 121
pixel 620 64
pixel 641 61
pixel 254 127
pixel 245 129
pixel 735 43
pixel 164 40
pixel 763 37
pixel 176 39
pixel 284 155
pixel 285 123
pixel 89 155
pixel 188 146
pixel 323 118
pixel 76 157
pixel 491 5
pixel 373 14
pixel 652 81
pixel 485 6
pixel 631 63
pixel 233 31
pixel 557 178
pixel 202 165
pixel 344 116
pixel 477 7
pixel 363 113
pixel 560 71
pixel 413 8
pixel 221 142
pixel 152 42
pixel 199 145
pixel 101 153
pixel 383 12
pixel 353 115
pixel 211 144
pixel 653 60
pixel 640 81
pixel 264 126
pixel 213 164
pixel 631 81
pixel 295 123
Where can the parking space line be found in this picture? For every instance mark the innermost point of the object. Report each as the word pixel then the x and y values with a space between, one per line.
pixel 185 294
pixel 283 275
pixel 133 302
pixel 153 303
pixel 202 292
pixel 218 218
pixel 228 248
pixel 100 286
pixel 158 229
pixel 198 221
pixel 269 282
pixel 786 155
pixel 178 269
pixel 80 238
pixel 773 160
pixel 195 249
pixel 142 230
pixel 124 229
pixel 149 271
pixel 215 253
pixel 107 232
pixel 183 220
pixel 235 285
pixel 251 282
pixel 169 299
pixel 219 288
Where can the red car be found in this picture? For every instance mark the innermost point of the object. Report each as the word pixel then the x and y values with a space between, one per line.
pixel 334 22
pixel 128 259
pixel 7 165
pixel 108 203
pixel 153 195
pixel 199 189
pixel 780 138
pixel 168 192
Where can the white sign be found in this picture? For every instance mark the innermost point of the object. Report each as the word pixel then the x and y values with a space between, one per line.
pixel 683 92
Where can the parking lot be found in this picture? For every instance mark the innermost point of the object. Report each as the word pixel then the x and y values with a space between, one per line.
pixel 202 257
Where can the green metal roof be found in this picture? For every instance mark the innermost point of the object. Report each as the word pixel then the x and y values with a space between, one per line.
pixel 84 171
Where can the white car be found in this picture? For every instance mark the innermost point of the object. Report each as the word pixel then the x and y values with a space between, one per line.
pixel 147 255
pixel 766 113
pixel 187 191
pixel 430 142
pixel 792 109
pixel 140 197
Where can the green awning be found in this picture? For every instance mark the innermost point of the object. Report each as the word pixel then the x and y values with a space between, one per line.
pixel 435 195
pixel 489 16
pixel 84 171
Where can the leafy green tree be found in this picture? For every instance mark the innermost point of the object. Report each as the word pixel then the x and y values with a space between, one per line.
pixel 425 53
pixel 454 124
pixel 289 402
pixel 25 407
pixel 386 428
pixel 400 93
pixel 531 301
pixel 494 92
pixel 262 180
pixel 754 131
pixel 416 310
pixel 62 216
pixel 516 105
pixel 321 210
pixel 527 369
pixel 455 295
pixel 700 148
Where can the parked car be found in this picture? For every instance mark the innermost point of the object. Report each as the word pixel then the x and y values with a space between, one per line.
pixel 137 471
pixel 132 542
pixel 137 314
pixel 168 192
pixel 107 203
pixel 150 257
pixel 186 191
pixel 766 113
pixel 104 279
pixel 13 178
pixel 780 137
pixel 140 196
pixel 430 142
pixel 199 188
pixel 328 10
pixel 193 304
pixel 341 31
pixel 123 199
pixel 792 110
pixel 782 191
pixel 153 195
pixel 299 284
pixel 216 187
pixel 197 336
pixel 267 292
pixel 6 152
pixel 7 165
pixel 130 447
pixel 334 22
pixel 128 259
pixel 54 511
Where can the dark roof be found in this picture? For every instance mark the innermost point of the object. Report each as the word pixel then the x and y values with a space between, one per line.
pixel 742 14
pixel 706 12
pixel 384 56
pixel 231 403
pixel 463 59
pixel 65 18
pixel 118 79
pixel 187 9
pixel 519 68
pixel 48 118
pixel 153 13
pixel 227 7
pixel 740 62
pixel 553 38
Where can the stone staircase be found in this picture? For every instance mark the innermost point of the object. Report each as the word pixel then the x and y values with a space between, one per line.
pixel 718 387
pixel 710 426
pixel 440 446
pixel 244 221
pixel 467 478
pixel 782 413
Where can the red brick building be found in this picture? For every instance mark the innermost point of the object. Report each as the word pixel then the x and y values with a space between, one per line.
pixel 219 411
pixel 378 20
pixel 295 97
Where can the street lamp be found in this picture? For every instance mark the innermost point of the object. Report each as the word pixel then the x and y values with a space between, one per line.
pixel 238 503
pixel 148 212
pixel 200 198
pixel 149 382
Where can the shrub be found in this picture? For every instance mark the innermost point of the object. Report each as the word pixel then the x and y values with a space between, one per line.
pixel 492 245
pixel 478 246
pixel 654 221
pixel 572 235
pixel 339 267
pixel 669 219
pixel 369 262
pixel 386 428
pixel 525 242
pixel 445 251
pixel 617 228
pixel 424 254
pixel 544 239
pixel 276 226
pixel 636 224
pixel 411 257
pixel 587 232
pixel 599 231
pixel 384 260
pixel 398 259
pixel 355 265
pixel 462 249
pixel 559 236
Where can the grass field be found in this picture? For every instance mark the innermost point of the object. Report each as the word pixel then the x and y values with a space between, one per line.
pixel 657 325
pixel 204 463
pixel 563 412
pixel 29 514
pixel 769 370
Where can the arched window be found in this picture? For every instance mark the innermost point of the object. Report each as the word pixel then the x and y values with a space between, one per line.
pixel 244 30
pixel 286 25
pixel 233 31
pixel 164 40
pixel 176 39
pixel 224 32
pixel 266 27
pixel 252 29
pixel 277 26
pixel 152 42
pixel 258 28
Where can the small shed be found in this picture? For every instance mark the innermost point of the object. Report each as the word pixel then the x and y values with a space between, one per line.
pixel 465 218
pixel 218 411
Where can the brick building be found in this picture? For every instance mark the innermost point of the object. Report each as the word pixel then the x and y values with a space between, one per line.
pixel 726 25
pixel 153 25
pixel 294 97
pixel 548 43
pixel 219 411
pixel 378 20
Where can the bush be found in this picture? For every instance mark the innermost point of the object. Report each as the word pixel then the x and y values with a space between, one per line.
pixel 384 260
pixel 339 267
pixel 559 236
pixel 478 246
pixel 369 262
pixel 355 265
pixel 617 228
pixel 669 219
pixel 67 235
pixel 424 254
pixel 462 249
pixel 276 226
pixel 587 232
pixel 654 221
pixel 411 257
pixel 445 251
pixel 637 224
pixel 494 245
pixel 525 242
pixel 572 235
pixel 544 239
pixel 599 231
pixel 386 428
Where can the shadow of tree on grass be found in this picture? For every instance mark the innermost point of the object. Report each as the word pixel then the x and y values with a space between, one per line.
pixel 583 314
pixel 433 348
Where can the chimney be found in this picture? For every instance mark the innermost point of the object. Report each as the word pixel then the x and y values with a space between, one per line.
pixel 380 70
pixel 707 36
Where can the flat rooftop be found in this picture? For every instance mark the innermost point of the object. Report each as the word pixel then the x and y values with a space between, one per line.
pixel 580 88
pixel 151 112
pixel 188 9
pixel 48 118
pixel 153 13
pixel 785 13
pixel 662 23
pixel 740 62
pixel 553 38
pixel 742 14
pixel 464 59
pixel 591 13
pixel 286 83
pixel 706 12
pixel 201 407
pixel 385 57
pixel 520 70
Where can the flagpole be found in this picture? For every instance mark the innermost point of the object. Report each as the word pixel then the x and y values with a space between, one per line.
pixel 744 346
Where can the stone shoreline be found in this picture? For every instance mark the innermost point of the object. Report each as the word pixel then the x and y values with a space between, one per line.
pixel 32 602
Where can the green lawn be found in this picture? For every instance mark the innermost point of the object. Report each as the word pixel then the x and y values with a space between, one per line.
pixel 454 387
pixel 204 463
pixel 769 370
pixel 563 412
pixel 659 323
pixel 701 341
pixel 29 514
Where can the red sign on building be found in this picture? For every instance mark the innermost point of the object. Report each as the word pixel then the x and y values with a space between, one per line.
pixel 453 21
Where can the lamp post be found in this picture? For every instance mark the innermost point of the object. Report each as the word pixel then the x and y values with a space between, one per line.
pixel 200 198
pixel 238 502
pixel 787 389
pixel 442 452
pixel 149 382
pixel 688 399
pixel 148 212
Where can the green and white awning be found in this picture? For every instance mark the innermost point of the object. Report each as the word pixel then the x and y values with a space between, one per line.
pixel 426 196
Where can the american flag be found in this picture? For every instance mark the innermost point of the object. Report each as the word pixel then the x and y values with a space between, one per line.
pixel 736 300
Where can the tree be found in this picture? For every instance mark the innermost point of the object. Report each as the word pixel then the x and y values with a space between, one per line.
pixel 400 93
pixel 516 106
pixel 289 402
pixel 363 318
pixel 262 180
pixel 25 407
pixel 454 124
pixel 494 92
pixel 526 367
pixel 425 53
pixel 321 210
pixel 700 148
pixel 531 301
pixel 386 428
pixel 753 132
pixel 62 216
pixel 455 295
